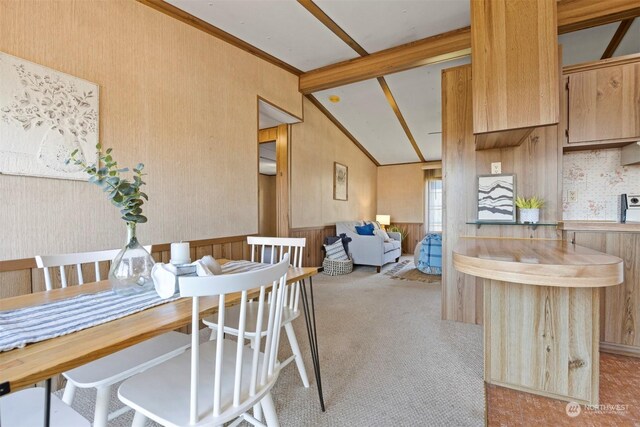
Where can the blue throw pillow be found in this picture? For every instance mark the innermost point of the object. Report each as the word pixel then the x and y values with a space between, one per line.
pixel 365 230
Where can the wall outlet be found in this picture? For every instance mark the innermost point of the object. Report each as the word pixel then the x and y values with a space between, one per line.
pixel 572 196
pixel 496 167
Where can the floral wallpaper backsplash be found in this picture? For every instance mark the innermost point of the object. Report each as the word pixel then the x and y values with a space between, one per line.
pixel 597 179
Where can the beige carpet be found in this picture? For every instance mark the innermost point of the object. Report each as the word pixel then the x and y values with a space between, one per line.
pixel 406 270
pixel 386 358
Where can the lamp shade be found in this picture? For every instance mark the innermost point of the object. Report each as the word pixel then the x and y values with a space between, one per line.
pixel 383 219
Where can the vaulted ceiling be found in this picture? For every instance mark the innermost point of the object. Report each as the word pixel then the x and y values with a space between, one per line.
pixel 395 118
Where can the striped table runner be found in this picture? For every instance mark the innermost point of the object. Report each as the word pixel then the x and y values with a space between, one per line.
pixel 38 323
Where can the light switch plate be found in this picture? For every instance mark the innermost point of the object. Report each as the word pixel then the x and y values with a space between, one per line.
pixel 496 167
pixel 572 196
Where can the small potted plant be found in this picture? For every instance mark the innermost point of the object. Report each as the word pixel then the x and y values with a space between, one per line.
pixel 529 209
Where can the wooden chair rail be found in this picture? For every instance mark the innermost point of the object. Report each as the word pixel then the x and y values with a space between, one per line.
pixel 21 276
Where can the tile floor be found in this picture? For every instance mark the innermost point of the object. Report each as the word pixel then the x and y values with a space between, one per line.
pixel 619 401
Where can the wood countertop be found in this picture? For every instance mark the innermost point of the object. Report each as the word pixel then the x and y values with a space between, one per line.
pixel 537 262
pixel 611 226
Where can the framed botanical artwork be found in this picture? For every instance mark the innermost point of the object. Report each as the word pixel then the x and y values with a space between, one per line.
pixel 45 115
pixel 340 181
pixel 496 198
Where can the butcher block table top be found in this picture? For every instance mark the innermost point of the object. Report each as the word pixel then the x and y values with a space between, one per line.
pixel 537 262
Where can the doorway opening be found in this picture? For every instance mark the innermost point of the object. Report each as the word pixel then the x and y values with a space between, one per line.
pixel 273 169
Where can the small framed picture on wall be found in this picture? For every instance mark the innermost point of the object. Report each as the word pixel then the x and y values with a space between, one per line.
pixel 340 181
pixel 496 198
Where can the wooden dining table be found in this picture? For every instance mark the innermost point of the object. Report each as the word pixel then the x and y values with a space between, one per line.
pixel 40 361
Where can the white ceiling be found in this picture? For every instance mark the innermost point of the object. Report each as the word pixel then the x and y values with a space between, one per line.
pixel 365 112
pixel 381 24
pixel 287 31
pixel 283 29
pixel 419 97
pixel 270 116
pixel 589 45
pixel 267 163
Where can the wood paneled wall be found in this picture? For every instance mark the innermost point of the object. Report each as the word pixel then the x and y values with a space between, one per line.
pixel 620 305
pixel 537 164
pixel 415 233
pixel 315 236
pixel 19 277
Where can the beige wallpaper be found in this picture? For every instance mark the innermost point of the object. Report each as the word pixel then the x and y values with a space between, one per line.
pixel 315 145
pixel 401 192
pixel 177 99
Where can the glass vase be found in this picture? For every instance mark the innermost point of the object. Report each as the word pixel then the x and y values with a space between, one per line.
pixel 130 270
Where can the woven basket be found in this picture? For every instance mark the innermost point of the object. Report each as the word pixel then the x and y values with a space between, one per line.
pixel 334 267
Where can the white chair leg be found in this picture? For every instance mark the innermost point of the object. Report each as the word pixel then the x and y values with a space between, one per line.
pixel 139 420
pixel 69 393
pixel 291 335
pixel 101 414
pixel 269 411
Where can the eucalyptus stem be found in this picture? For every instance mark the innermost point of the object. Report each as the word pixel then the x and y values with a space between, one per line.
pixel 124 194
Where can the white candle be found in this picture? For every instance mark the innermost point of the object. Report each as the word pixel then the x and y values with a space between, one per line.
pixel 180 253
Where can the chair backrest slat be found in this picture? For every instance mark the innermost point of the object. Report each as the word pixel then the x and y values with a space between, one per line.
pixel 240 348
pixel 263 364
pixel 276 247
pixel 63 276
pixel 77 260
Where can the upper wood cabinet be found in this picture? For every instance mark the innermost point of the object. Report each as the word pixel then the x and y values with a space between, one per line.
pixel 604 103
pixel 514 58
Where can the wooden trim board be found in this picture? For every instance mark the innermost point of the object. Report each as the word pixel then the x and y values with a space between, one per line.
pixel 202 25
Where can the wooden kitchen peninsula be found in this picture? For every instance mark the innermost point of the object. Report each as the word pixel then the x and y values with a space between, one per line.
pixel 541 312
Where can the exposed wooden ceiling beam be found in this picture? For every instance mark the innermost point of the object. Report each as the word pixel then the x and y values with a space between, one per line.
pixel 573 15
pixel 330 24
pixel 443 47
pixel 181 15
pixel 396 110
pixel 335 28
pixel 617 38
pixel 342 128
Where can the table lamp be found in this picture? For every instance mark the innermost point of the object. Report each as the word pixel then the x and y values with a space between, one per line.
pixel 383 220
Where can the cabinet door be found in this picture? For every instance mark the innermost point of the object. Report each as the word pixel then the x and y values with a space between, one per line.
pixel 514 48
pixel 604 104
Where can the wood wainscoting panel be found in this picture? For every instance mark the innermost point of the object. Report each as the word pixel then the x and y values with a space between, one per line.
pixel 620 307
pixel 543 339
pixel 415 233
pixel 313 254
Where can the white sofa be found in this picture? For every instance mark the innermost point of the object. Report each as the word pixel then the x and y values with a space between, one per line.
pixel 370 250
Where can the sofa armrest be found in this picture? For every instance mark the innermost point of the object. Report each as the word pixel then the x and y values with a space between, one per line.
pixel 395 235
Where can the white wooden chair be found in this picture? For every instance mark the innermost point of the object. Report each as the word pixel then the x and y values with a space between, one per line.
pixel 102 373
pixel 26 408
pixel 227 378
pixel 270 250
